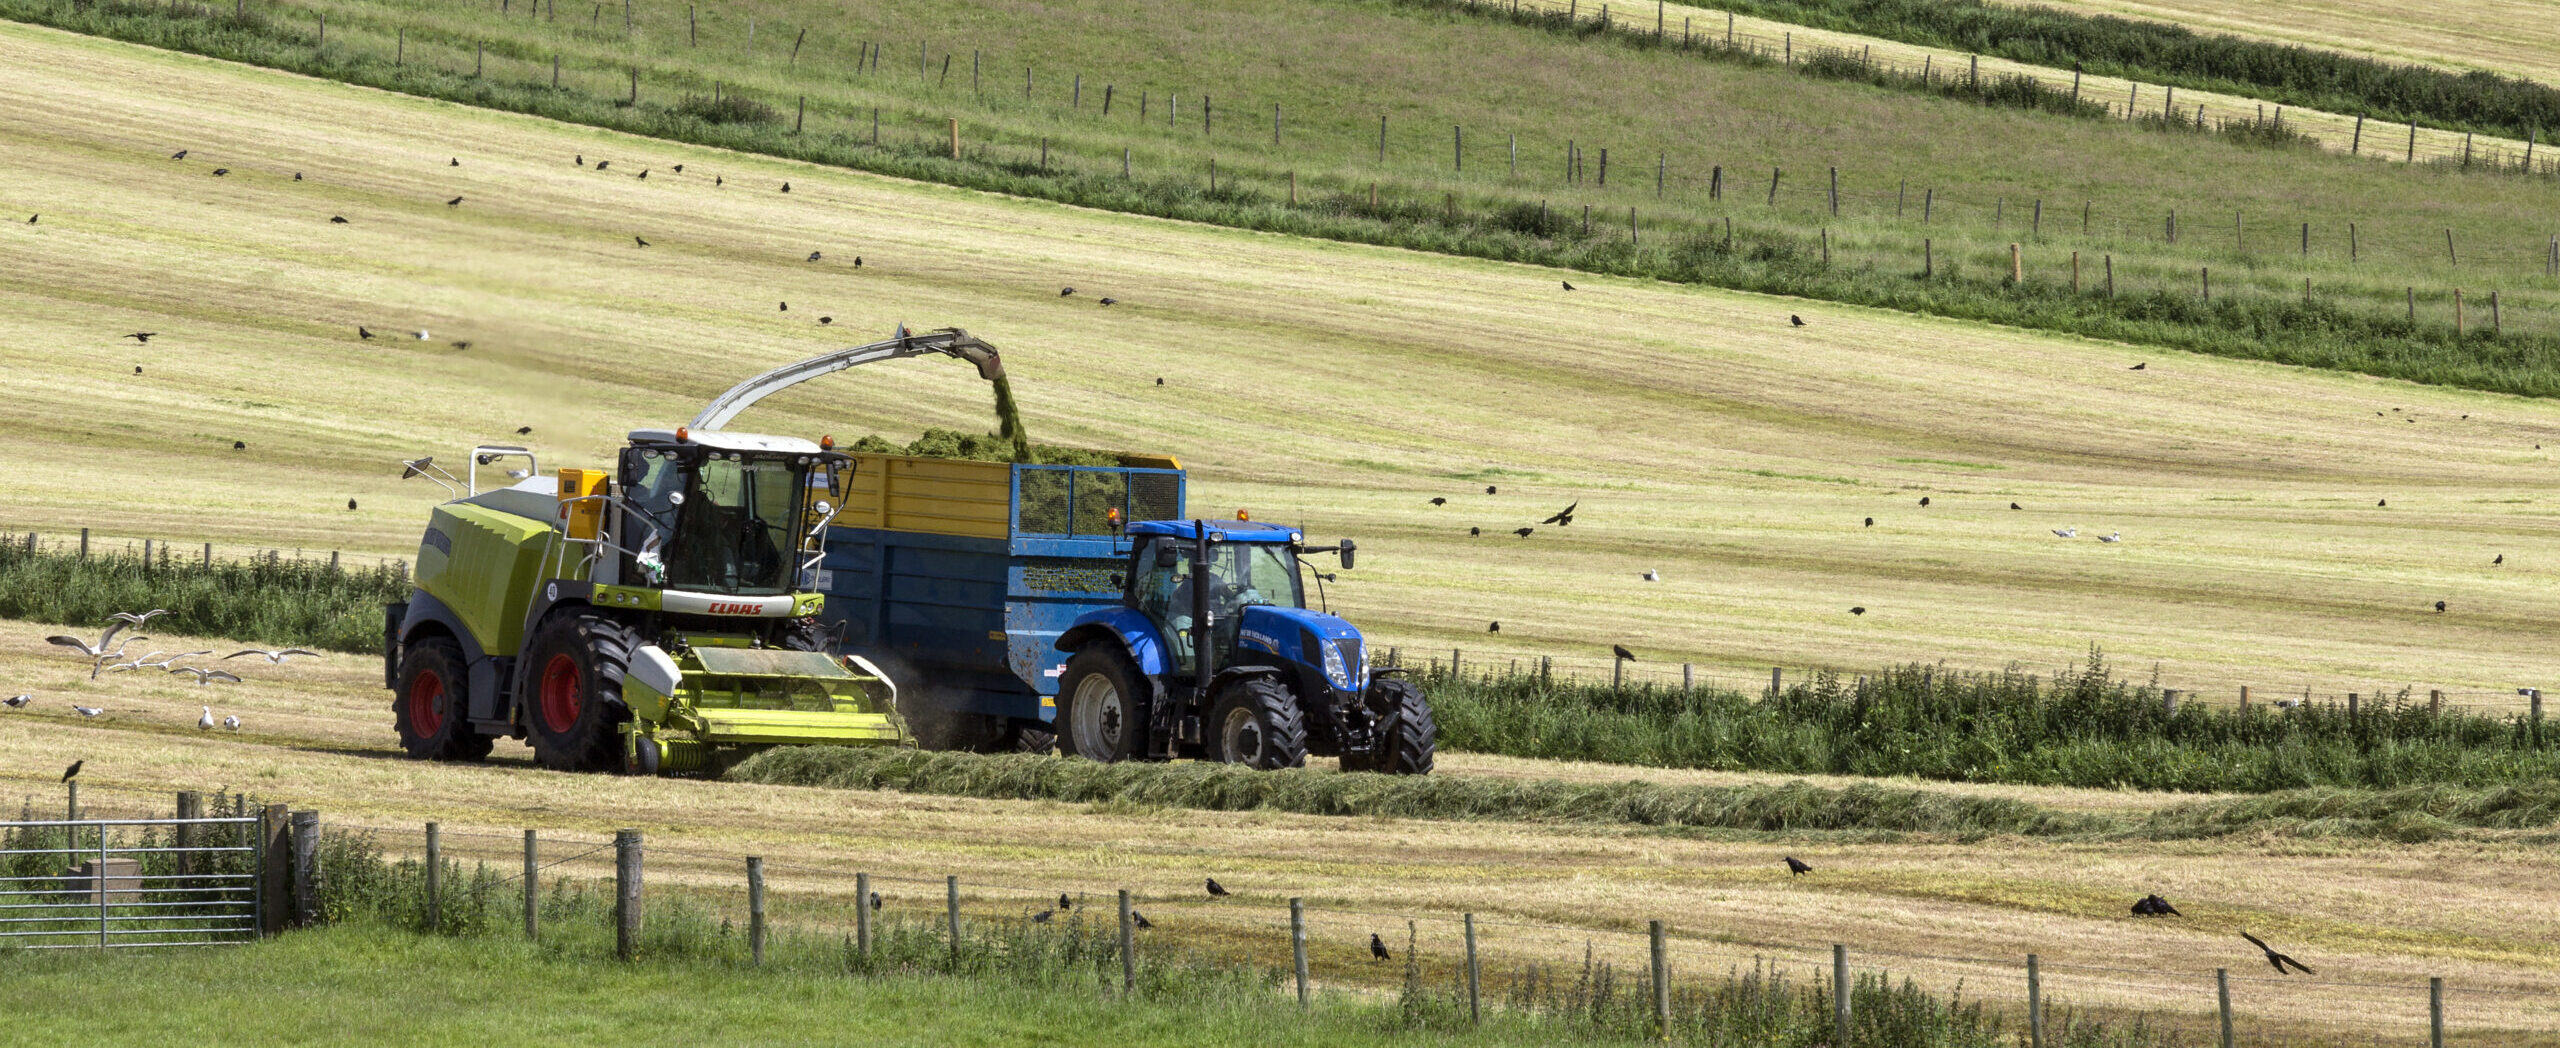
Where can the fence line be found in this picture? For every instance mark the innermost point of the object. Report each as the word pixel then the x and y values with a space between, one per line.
pixel 169 553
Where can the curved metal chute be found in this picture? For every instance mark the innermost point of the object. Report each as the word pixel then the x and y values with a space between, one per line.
pixel 952 342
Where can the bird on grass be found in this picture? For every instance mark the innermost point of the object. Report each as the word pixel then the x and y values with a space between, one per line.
pixel 644 174
pixel 179 155
pixel 1568 285
pixel 1795 320
pixel 351 503
pixel 2439 607
pixel 639 241
pixel 1043 916
pixel 2155 906
pixel 717 181
pixel 1064 903
pixel 1110 301
pixel 2071 532
pixel 137 369
pixel 1378 947
pixel 460 343
pixel 1493 627
pixel 18 702
pixel 239 445
pixel 1871 522
pixel 1065 291
pixel 2382 502
pixel 786 187
pixel 453 161
pixel 1216 890
pixel 582 160
pixel 826 320
pixel 2140 366
pixel 1488 489
pixel 205 723
pixel 272 657
pixel 1522 532
pixel 231 723
pixel 2501 559
pixel 363 333
pixel 1924 500
pixel 603 164
pixel 1857 611
pixel 142 336
pixel 31 219
pixel 857 261
pixel 1475 532
pixel 297 176
pixel 813 256
pixel 73 771
pixel 523 431
pixel 679 169
pixel 221 171
pixel 2014 505
pixel 1621 651
pixel 875 902
pixel 786 307
pixel 455 202
pixel 1796 867
pixel 86 712
pixel 1159 380
pixel 1651 575
pixel 2113 536
pixel 1140 919
pixel 1563 517
pixel 2278 960
pixel 1439 501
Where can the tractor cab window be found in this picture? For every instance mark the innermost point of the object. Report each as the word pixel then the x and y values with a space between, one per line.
pixel 1240 574
pixel 733 529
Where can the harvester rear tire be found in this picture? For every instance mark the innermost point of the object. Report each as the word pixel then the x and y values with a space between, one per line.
pixel 1257 723
pixel 1409 735
pixel 1102 706
pixel 431 709
pixel 572 691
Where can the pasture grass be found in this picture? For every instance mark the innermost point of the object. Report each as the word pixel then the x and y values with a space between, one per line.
pixel 2509 39
pixel 2159 284
pixel 268 601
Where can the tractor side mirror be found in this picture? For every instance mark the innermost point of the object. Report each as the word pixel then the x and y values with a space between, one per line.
pixel 1348 548
pixel 1166 557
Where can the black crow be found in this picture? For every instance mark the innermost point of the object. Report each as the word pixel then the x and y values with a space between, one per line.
pixel 582 160
pixel 2139 366
pixel 813 256
pixel 2155 906
pixel 351 503
pixel 1140 919
pixel 2439 607
pixel 857 261
pixel 2382 502
pixel 644 174
pixel 1439 502
pixel 1377 947
pixel 31 219
pixel 1043 916
pixel 297 176
pixel 337 220
pixel 1924 500
pixel 1871 522
pixel 73 770
pixel 1522 532
pixel 2014 505
pixel 1622 652
pixel 362 333
pixel 1796 320
pixel 455 202
pixel 137 369
pixel 679 169
pixel 875 896
pixel 2277 959
pixel 637 240
pixel 1568 285
pixel 239 445
pixel 786 307
pixel 1110 301
pixel 453 161
pixel 1493 627
pixel 2501 559
pixel 1159 380
pixel 786 187
pixel 826 320
pixel 1063 904
pixel 221 171
pixel 1065 291
pixel 522 431
pixel 179 155
pixel 603 164
pixel 1488 489
pixel 1857 611
pixel 1216 889
pixel 461 344
pixel 142 336
pixel 717 181
pixel 1796 867
pixel 1475 532
pixel 1563 517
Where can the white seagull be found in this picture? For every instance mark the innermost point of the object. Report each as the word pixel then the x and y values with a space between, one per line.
pixel 18 702
pixel 88 711
pixel 2069 532
pixel 129 617
pixel 2116 537
pixel 1651 575
pixel 273 656
pixel 205 723
pixel 232 722
pixel 205 676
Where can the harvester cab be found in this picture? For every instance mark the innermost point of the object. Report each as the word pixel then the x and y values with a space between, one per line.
pixel 1215 654
pixel 658 617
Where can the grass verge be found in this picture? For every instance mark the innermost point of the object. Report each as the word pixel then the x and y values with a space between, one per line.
pixel 272 602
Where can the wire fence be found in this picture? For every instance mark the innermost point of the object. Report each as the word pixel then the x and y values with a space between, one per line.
pixel 168 552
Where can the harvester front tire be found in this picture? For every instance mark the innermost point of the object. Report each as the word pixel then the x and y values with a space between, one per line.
pixel 572 693
pixel 1257 723
pixel 431 709
pixel 1102 706
pixel 1408 735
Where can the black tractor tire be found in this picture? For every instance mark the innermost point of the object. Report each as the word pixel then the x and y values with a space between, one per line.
pixel 572 692
pixel 1030 737
pixel 1257 723
pixel 431 710
pixel 1408 736
pixel 1102 706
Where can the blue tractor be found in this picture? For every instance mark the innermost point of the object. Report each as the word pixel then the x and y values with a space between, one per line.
pixel 1214 654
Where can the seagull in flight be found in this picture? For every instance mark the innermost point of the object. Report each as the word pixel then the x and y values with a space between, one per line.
pixel 205 676
pixel 272 657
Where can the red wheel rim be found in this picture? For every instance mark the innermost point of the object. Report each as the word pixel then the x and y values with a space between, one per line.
pixel 560 693
pixel 426 703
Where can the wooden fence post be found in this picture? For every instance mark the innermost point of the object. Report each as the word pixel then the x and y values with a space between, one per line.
pixel 2169 701
pixel 1835 191
pixel 2222 999
pixel 532 887
pixel 275 882
pixel 1298 945
pixel 2035 1004
pixel 306 868
pixel 1928 258
pixel 2075 272
pixel 435 877
pixel 1128 945
pixel 84 543
pixel 2017 265
pixel 2497 324
pixel 755 910
pixel 190 806
pixel 1839 994
pixel 862 915
pixel 1475 1012
pixel 2435 1011
pixel 951 911
pixel 626 893
pixel 2244 697
pixel 1661 984
pixel 2355 146
pixel 2435 701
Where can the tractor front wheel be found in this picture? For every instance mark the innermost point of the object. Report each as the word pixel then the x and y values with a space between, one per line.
pixel 430 710
pixel 1257 723
pixel 1406 736
pixel 1102 707
pixel 571 697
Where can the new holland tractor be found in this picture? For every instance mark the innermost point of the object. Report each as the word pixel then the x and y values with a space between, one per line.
pixel 1214 654
pixel 659 617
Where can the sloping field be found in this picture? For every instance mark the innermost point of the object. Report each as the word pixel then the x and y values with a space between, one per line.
pixel 2515 37
pixel 1704 436
pixel 2374 918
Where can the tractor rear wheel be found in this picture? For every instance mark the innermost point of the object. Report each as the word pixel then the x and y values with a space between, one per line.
pixel 431 710
pixel 1257 723
pixel 1102 706
pixel 572 692
pixel 1406 735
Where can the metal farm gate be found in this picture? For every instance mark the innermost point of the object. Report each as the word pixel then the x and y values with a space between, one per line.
pixel 96 883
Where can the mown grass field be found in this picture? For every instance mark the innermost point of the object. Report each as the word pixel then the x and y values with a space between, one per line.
pixel 2515 37
pixel 2361 909
pixel 2262 221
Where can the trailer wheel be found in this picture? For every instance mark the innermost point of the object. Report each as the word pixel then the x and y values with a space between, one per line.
pixel 1102 708
pixel 1257 723
pixel 572 692
pixel 1407 736
pixel 430 709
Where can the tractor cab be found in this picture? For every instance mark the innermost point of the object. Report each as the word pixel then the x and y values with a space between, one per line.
pixel 733 514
